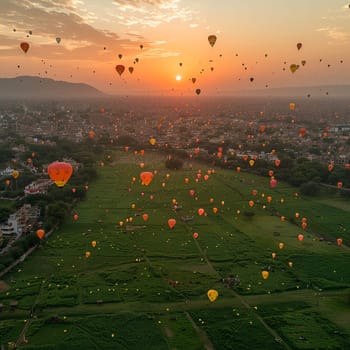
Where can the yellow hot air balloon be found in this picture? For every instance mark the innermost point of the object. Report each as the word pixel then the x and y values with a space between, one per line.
pixel 265 274
pixel 212 294
pixel 93 243
pixel 152 141
pixel 15 174
pixel 292 106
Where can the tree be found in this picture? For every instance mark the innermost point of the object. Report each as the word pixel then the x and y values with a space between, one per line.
pixel 174 164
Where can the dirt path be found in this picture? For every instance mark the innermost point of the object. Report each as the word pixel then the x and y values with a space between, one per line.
pixel 208 345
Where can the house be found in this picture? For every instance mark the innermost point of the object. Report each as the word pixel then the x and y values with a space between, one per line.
pixel 22 221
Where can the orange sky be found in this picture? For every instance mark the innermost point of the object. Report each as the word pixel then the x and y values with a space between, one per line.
pixel 176 31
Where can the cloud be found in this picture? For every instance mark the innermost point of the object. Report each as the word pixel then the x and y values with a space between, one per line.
pixel 48 19
pixel 151 13
pixel 335 34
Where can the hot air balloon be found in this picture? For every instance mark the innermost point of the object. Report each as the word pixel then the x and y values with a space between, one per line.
pixel 277 162
pixel 24 46
pixel 293 67
pixel 145 217
pixel 131 69
pixel 60 172
pixel 251 162
pixel 120 69
pixel 215 210
pixel 300 237
pixel 193 80
pixel 93 244
pixel 212 40
pixel 198 91
pixel 152 141
pixel 15 174
pixel 195 235
pixel 302 132
pixel 40 233
pixel 273 183
pixel 212 294
pixel 58 40
pixel 339 184
pixel 299 45
pixel 280 245
pixel 200 211
pixel 273 255
pixel 87 254
pixel 75 217
pixel 251 203
pixel 171 223
pixel 146 178
pixel 265 274
pixel 292 106
pixel 339 241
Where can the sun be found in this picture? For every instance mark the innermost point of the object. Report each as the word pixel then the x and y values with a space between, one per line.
pixel 178 77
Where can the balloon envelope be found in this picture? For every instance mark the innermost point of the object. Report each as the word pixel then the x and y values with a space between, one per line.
pixel 60 172
pixel 24 46
pixel 212 294
pixel 146 178
pixel 120 69
pixel 212 40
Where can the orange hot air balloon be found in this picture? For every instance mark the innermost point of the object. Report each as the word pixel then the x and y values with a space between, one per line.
pixel 303 225
pixel 171 223
pixel 187 180
pixel 269 199
pixel 280 245
pixel 273 255
pixel 215 210
pixel 277 162
pixel 211 200
pixel 200 211
pixel 254 192
pixel 93 243
pixel 212 40
pixel 121 223
pixel 152 141
pixel 265 274
pixel 283 218
pixel 120 69
pixel 292 106
pixel 262 128
pixel 206 177
pixel 15 174
pixel 251 203
pixel 238 169
pixel 303 219
pixel 91 134
pixel 7 182
pixel 24 46
pixel 60 172
pixel 297 215
pixel 146 178
pixel 251 162
pixel 40 233
pixel 131 70
pixel 270 173
pixel 145 217
pixel 339 184
pixel 87 254
pixel 245 157
pixel 302 132
pixel 339 241
pixel 75 217
pixel 300 237
pixel 330 167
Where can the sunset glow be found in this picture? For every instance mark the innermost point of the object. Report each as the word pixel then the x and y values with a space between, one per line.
pixel 82 41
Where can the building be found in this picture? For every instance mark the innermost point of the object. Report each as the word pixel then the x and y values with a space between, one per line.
pixel 38 187
pixel 22 221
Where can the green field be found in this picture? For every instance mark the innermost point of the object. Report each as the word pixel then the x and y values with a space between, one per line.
pixel 144 285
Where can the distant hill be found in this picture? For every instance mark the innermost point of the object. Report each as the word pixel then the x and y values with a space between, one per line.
pixel 28 87
pixel 300 91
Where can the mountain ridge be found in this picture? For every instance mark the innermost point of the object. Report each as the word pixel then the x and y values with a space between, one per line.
pixel 32 87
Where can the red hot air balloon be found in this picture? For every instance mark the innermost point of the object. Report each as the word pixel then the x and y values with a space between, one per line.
pixel 24 46
pixel 75 217
pixel 146 178
pixel 145 217
pixel 200 211
pixel 339 242
pixel 40 233
pixel 120 69
pixel 171 223
pixel 195 235
pixel 60 172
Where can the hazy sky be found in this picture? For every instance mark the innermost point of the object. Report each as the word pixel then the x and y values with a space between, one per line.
pixel 255 39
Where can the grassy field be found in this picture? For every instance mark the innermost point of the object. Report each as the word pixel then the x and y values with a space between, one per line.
pixel 144 285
